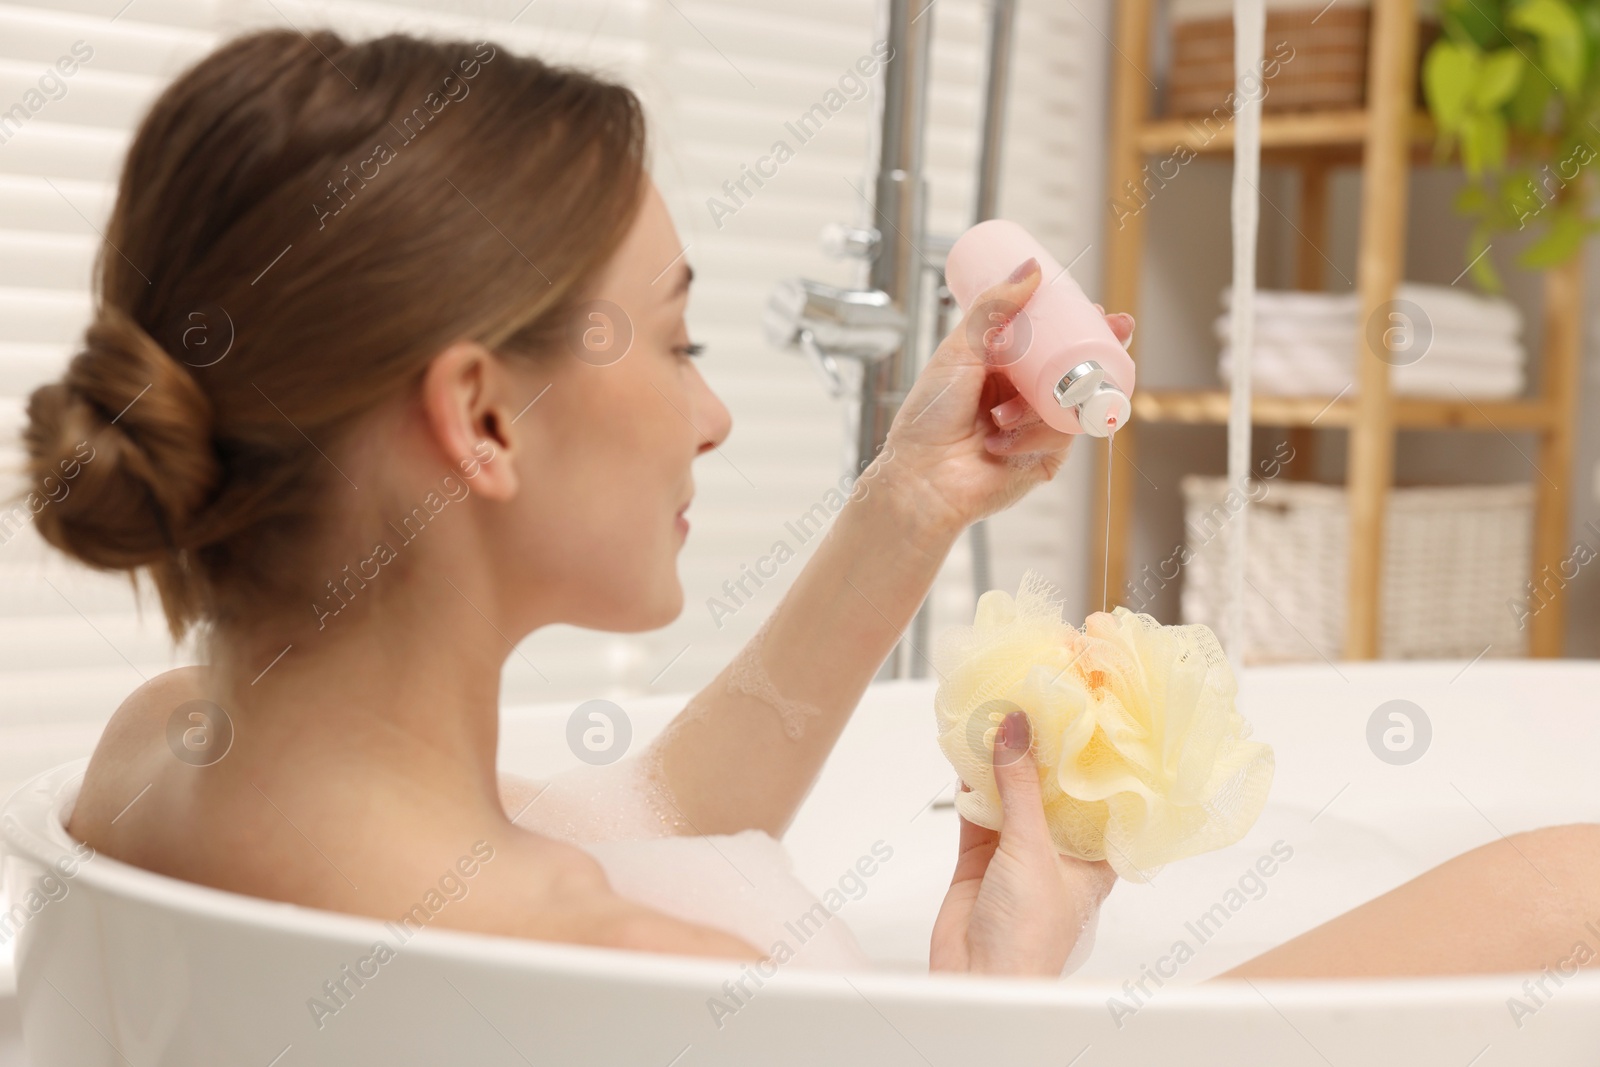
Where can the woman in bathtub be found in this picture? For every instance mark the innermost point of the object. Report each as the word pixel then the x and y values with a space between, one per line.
pixel 410 457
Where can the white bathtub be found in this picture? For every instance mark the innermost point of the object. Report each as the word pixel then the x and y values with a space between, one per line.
pixel 129 967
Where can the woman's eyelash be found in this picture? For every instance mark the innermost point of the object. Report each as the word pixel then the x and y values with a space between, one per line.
pixel 691 349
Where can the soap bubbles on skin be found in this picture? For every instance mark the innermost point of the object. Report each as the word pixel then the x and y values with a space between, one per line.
pixel 999 330
pixel 599 732
pixel 1019 461
pixel 627 800
pixel 600 334
pixel 747 676
pixel 1399 332
pixel 199 732
pixel 1022 461
pixel 1399 732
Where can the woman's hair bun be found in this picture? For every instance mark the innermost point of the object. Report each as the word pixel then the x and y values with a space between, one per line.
pixel 213 475
pixel 121 449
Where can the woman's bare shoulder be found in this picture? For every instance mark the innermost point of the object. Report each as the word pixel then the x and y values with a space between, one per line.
pixel 153 702
pixel 465 869
pixel 132 746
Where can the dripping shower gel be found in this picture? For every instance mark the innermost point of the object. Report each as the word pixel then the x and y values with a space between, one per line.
pixel 1058 351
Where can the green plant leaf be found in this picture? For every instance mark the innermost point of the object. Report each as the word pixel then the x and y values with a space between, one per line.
pixel 1521 201
pixel 1472 149
pixel 1483 142
pixel 1495 139
pixel 1472 199
pixel 1560 242
pixel 1568 161
pixel 1480 267
pixel 1589 15
pixel 1498 78
pixel 1532 66
pixel 1448 74
pixel 1530 104
pixel 1562 45
pixel 1477 21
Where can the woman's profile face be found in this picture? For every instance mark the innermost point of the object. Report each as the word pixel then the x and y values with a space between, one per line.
pixel 605 489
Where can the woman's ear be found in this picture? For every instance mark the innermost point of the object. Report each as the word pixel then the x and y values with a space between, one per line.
pixel 468 409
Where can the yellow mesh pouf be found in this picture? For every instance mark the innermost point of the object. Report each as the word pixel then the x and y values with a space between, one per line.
pixel 1143 758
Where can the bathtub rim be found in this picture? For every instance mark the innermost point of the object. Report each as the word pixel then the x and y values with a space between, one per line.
pixel 50 794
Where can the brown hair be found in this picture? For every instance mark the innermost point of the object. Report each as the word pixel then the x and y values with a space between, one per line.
pixel 301 224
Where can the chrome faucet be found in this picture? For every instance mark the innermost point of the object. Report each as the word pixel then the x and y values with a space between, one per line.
pixel 828 324
pixel 879 325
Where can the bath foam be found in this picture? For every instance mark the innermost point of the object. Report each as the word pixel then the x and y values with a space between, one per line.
pixel 622 801
pixel 629 799
pixel 748 677
pixel 1143 758
pixel 1083 948
pixel 741 883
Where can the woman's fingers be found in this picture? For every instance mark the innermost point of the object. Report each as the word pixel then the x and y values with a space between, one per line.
pixel 974 836
pixel 1011 412
pixel 1008 414
pixel 982 334
pixel 1017 778
pixel 1116 315
pixel 973 851
pixel 1122 325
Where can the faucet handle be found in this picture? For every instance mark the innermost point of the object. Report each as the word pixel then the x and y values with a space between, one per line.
pixel 842 242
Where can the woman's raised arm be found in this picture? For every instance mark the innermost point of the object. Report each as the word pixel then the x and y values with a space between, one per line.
pixel 747 749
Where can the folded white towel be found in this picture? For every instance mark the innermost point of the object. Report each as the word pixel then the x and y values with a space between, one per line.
pixel 1461 309
pixel 1300 303
pixel 1446 307
pixel 1451 344
pixel 1428 379
pixel 1306 343
pixel 1275 373
pixel 1189 10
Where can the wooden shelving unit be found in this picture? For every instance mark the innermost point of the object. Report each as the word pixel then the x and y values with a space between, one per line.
pixel 1322 130
pixel 1383 139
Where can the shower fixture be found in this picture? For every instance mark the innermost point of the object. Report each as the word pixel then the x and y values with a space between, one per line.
pixel 828 324
pixel 882 325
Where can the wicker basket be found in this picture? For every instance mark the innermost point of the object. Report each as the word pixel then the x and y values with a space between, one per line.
pixel 1454 559
pixel 1326 49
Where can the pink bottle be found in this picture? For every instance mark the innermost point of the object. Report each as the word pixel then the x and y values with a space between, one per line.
pixel 1058 351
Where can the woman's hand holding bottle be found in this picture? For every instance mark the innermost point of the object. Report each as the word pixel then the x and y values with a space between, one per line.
pixel 965 444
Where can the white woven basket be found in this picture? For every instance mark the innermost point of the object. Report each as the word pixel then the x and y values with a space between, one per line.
pixel 1455 558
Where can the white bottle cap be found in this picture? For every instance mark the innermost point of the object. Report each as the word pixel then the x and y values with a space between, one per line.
pixel 1105 412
